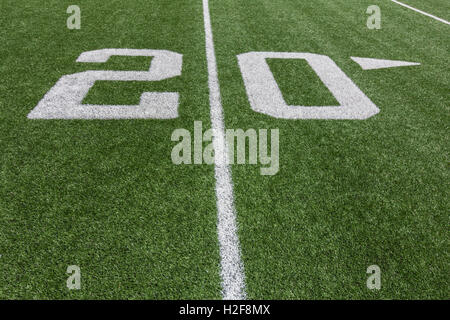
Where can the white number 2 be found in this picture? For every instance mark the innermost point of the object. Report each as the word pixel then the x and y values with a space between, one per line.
pixel 64 100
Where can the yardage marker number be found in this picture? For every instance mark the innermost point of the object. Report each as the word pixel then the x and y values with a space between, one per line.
pixel 64 99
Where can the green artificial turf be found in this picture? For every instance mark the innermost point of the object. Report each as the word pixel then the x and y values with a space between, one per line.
pixel 105 195
pixel 299 84
pixel 439 8
pixel 349 194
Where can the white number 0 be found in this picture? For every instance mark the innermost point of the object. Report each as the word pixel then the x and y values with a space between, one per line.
pixel 265 95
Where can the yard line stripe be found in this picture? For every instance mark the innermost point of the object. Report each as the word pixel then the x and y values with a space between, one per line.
pixel 232 269
pixel 422 12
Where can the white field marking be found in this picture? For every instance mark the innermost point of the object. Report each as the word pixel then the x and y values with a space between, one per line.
pixel 422 12
pixel 64 99
pixel 232 269
pixel 265 96
pixel 372 64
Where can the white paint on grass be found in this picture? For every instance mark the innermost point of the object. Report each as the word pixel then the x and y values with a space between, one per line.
pixel 265 96
pixel 232 269
pixel 422 12
pixel 371 64
pixel 64 99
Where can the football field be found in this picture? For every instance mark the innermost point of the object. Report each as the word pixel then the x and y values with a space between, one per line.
pixel 359 174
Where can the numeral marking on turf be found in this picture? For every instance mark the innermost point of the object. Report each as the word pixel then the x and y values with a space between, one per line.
pixel 64 100
pixel 265 95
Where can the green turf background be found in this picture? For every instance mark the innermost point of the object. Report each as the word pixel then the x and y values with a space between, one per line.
pixel 439 8
pixel 103 195
pixel 349 194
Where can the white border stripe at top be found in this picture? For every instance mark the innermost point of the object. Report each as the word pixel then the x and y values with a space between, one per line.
pixel 422 12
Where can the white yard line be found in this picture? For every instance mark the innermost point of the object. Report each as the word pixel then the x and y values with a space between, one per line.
pixel 232 269
pixel 422 12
